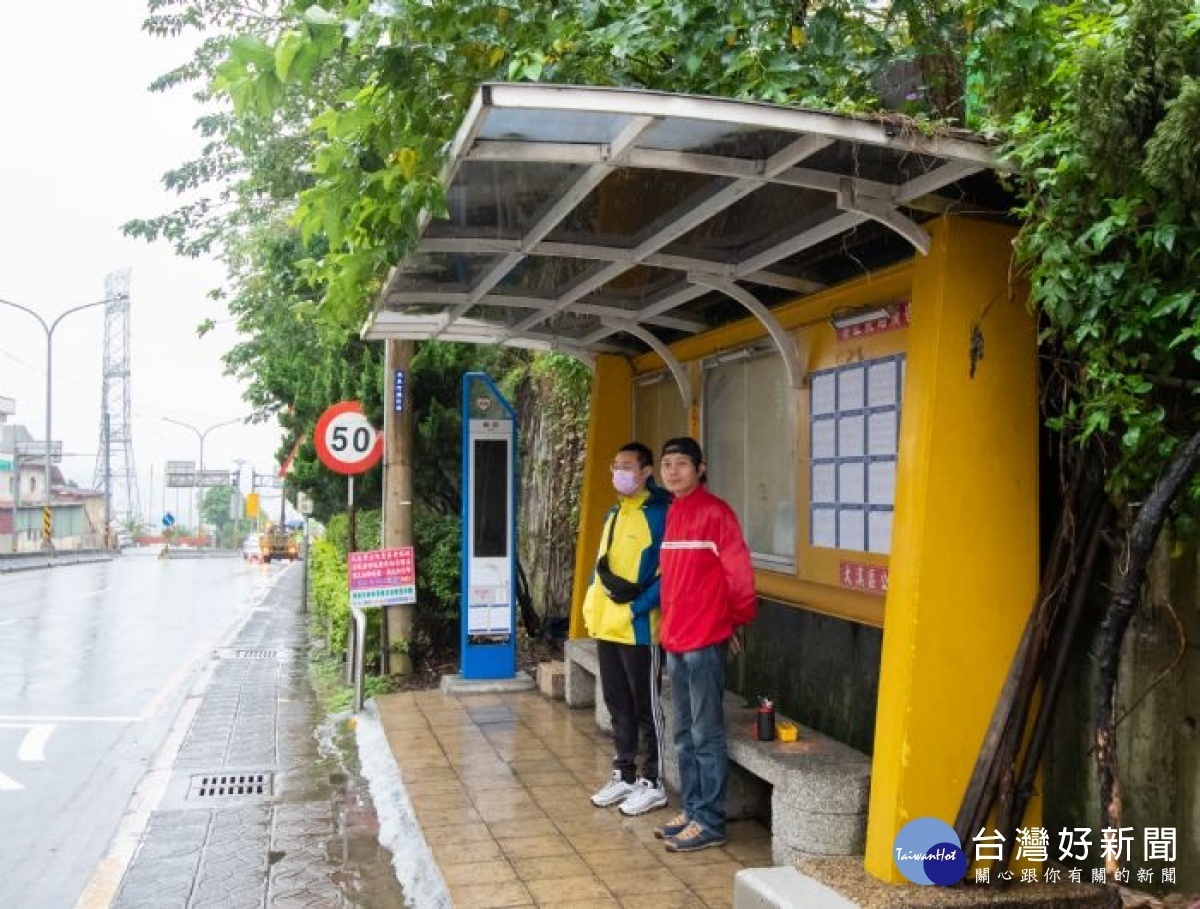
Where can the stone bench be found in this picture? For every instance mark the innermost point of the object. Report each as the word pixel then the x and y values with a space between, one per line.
pixel 814 790
pixel 583 676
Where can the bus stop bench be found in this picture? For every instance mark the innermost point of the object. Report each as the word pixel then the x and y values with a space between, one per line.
pixel 813 790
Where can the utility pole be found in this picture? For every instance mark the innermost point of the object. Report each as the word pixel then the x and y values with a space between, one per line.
pixel 105 453
pixel 398 484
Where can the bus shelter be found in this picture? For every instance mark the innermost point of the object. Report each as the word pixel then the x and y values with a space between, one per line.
pixel 826 302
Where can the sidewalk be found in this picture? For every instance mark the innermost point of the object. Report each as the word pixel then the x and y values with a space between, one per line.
pixel 303 832
pixel 498 786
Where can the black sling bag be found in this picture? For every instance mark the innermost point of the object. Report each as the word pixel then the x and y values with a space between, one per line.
pixel 618 589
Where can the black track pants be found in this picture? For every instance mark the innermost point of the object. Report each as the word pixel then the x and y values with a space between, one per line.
pixel 631 680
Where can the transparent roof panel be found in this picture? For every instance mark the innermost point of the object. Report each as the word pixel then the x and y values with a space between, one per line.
pixel 631 204
pixel 544 276
pixel 633 289
pixel 567 324
pixel 420 309
pixel 501 199
pixel 558 126
pixel 803 219
pixel 664 192
pixel 442 272
pixel 872 162
pixel 864 248
pixel 500 316
pixel 751 222
pixel 719 138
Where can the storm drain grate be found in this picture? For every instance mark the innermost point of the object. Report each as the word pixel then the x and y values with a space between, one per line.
pixel 218 785
pixel 251 653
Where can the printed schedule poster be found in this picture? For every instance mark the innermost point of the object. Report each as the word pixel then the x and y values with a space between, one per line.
pixel 489 611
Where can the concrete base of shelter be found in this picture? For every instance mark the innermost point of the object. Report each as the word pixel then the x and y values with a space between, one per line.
pixel 456 684
pixel 785 888
pixel 846 876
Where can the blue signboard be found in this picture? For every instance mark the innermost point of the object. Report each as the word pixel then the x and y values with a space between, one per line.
pixel 168 520
pixel 398 392
pixel 489 531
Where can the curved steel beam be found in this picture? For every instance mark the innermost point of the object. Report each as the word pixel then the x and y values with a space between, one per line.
pixel 677 368
pixel 783 341
pixel 852 196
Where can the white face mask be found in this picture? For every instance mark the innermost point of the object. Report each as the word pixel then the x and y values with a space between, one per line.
pixel 626 482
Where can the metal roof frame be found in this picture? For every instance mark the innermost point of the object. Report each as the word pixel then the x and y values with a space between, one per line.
pixel 555 239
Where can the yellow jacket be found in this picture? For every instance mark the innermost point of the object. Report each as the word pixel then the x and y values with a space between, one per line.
pixel 636 539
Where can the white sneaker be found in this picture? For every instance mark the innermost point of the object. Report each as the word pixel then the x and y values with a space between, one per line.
pixel 615 790
pixel 646 797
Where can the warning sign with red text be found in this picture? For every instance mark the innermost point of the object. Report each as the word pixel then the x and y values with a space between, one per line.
pixel 383 577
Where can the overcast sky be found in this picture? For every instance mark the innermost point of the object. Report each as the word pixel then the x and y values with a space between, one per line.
pixel 83 146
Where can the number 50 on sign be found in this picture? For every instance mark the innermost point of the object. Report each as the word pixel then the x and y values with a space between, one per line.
pixel 346 441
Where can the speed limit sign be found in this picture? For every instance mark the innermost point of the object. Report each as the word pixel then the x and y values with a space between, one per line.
pixel 346 442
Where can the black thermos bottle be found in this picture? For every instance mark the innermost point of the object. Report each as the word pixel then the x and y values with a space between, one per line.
pixel 766 720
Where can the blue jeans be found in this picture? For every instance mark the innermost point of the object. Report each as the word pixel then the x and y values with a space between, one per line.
pixel 698 695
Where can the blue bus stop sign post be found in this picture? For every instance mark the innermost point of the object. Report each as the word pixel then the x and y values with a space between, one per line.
pixel 489 531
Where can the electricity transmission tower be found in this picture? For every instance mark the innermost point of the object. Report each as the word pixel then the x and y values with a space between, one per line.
pixel 114 459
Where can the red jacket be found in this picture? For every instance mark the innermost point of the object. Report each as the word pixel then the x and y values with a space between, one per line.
pixel 707 579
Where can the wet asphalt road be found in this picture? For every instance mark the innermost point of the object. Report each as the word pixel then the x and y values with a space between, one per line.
pixel 95 661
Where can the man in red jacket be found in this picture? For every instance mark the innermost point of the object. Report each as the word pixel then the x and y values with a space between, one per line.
pixel 707 591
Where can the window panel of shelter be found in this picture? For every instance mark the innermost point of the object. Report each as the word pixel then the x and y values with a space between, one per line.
pixel 750 441
pixel 724 439
pixel 658 412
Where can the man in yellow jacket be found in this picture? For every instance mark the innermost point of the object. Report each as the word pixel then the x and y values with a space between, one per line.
pixel 621 610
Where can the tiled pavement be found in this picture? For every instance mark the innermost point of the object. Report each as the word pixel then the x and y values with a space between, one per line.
pixel 312 843
pixel 499 784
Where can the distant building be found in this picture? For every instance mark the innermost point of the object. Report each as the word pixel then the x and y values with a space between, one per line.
pixel 78 514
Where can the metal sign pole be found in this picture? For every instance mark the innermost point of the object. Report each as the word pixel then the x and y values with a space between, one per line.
pixel 351 531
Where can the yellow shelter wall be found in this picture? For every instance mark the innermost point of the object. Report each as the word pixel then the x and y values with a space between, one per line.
pixel 964 559
pixel 964 565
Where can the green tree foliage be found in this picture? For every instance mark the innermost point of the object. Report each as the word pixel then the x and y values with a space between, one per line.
pixel 332 122
pixel 326 127
pixel 215 507
pixel 1099 105
pixel 342 112
pixel 338 117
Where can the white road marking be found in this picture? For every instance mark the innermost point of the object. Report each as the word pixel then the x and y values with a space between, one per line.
pixel 26 720
pixel 83 596
pixel 33 746
pixel 32 749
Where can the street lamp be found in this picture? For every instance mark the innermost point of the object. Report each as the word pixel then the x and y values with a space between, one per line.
pixel 47 519
pixel 200 476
